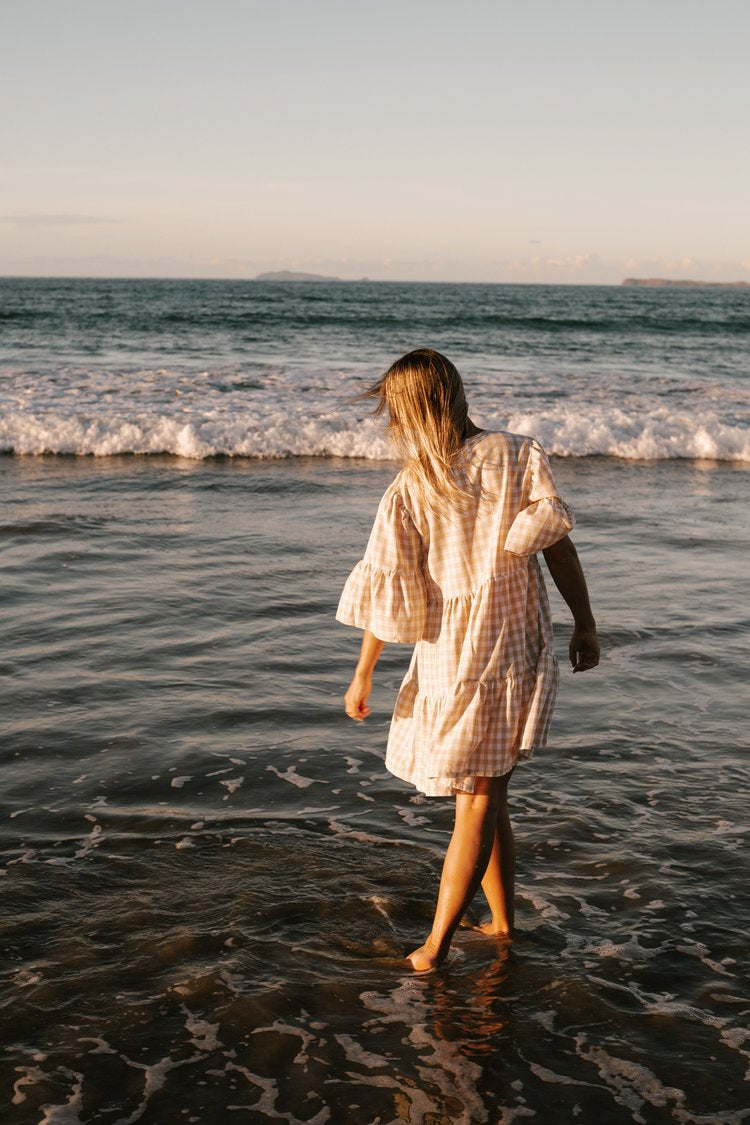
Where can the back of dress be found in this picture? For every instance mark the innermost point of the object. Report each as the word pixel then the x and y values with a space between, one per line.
pixel 466 587
pixel 512 509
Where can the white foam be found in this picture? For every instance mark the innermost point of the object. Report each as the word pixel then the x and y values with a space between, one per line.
pixel 92 841
pixel 292 777
pixel 232 784
pixel 674 1009
pixel 380 903
pixel 25 977
pixel 546 911
pixel 270 435
pixel 588 910
pixel 356 1053
pixel 29 1077
pixel 697 949
pixel 102 1046
pixel 654 434
pixel 726 827
pixel 203 1034
pixel 25 857
pixel 279 1027
pixel 508 1114
pixel 663 1004
pixel 412 819
pixel 624 951
pixel 154 1077
pixel 348 833
pixel 233 982
pixel 68 1112
pixel 546 1075
pixel 734 1037
pixel 649 430
pixel 632 1084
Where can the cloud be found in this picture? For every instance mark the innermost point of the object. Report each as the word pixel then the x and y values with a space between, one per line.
pixel 566 262
pixel 57 220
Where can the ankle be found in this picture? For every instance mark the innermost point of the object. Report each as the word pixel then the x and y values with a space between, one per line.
pixel 437 947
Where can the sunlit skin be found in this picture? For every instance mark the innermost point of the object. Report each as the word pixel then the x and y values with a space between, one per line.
pixel 481 850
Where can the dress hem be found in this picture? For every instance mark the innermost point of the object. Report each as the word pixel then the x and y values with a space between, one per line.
pixel 447 786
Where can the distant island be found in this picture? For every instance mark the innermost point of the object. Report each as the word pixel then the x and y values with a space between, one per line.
pixel 293 275
pixel 679 283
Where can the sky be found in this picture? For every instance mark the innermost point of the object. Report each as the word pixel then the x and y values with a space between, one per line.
pixel 567 141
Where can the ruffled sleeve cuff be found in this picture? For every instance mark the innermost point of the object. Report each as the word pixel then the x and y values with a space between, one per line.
pixel 539 526
pixel 392 604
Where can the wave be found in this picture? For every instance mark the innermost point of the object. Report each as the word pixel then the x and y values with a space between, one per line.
pixel 564 430
pixel 624 322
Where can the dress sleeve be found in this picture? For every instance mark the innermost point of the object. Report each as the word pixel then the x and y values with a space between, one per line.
pixel 386 592
pixel 545 517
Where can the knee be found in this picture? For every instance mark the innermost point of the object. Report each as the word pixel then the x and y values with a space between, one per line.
pixel 487 797
pixel 489 793
pixel 496 788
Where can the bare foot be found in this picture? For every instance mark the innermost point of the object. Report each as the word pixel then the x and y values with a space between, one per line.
pixel 424 959
pixel 492 930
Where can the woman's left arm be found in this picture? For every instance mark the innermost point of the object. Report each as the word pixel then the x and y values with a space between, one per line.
pixel 565 568
pixel 355 700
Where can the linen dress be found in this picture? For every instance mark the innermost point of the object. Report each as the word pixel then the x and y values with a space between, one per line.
pixel 468 591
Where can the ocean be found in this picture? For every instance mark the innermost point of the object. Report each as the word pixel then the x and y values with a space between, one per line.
pixel 209 879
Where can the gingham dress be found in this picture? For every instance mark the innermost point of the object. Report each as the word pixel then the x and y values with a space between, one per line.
pixel 481 686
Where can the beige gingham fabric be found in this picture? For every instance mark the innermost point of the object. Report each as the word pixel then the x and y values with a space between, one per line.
pixel 468 590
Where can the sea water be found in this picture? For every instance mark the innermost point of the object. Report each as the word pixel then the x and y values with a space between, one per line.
pixel 209 879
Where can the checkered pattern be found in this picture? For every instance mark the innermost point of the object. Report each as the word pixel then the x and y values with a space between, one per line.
pixel 467 588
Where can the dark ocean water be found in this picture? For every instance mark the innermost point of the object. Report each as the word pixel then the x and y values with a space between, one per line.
pixel 210 881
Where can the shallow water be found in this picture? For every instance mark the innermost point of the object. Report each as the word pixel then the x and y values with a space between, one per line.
pixel 210 881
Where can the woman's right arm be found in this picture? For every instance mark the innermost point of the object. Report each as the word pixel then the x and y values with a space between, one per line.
pixel 567 573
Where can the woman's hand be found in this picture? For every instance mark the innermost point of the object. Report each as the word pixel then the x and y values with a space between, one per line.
pixel 565 568
pixel 355 700
pixel 584 648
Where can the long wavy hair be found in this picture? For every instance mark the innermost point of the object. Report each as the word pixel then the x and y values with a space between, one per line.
pixel 424 398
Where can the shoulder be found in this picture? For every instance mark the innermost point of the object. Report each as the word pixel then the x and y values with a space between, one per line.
pixel 395 501
pixel 394 493
pixel 501 447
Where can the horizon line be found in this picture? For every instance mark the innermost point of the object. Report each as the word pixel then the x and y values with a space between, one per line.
pixel 645 282
pixel 290 281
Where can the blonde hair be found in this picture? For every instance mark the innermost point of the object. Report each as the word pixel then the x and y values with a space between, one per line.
pixel 427 421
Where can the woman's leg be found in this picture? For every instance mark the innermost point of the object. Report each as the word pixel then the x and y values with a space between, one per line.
pixel 499 879
pixel 465 863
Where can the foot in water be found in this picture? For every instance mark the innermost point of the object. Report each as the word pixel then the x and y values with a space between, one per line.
pixel 424 959
pixel 491 930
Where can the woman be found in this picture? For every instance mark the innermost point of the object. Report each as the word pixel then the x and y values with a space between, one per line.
pixel 451 566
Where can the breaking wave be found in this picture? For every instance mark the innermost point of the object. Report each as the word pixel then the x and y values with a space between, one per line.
pixel 565 430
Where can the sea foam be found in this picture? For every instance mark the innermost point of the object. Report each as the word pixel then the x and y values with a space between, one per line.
pixel 566 430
